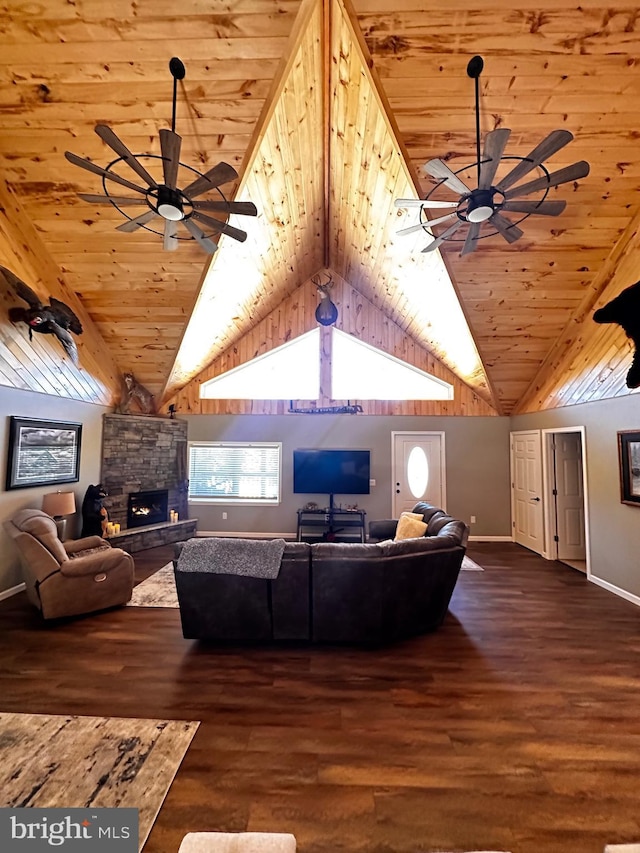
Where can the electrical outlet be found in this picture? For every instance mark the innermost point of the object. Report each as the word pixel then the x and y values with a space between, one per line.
pixel 224 516
pixel 372 483
pixel 473 519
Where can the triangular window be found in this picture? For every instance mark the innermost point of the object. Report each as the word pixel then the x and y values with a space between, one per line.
pixel 362 372
pixel 289 372
pixel 358 372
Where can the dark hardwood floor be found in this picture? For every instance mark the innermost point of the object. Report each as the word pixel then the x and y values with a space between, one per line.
pixel 515 727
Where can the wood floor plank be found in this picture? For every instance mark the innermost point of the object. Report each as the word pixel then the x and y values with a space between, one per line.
pixel 513 727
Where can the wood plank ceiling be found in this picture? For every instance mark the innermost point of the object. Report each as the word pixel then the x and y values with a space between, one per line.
pixel 328 114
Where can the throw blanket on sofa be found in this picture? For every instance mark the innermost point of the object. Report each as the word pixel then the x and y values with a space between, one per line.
pixel 249 557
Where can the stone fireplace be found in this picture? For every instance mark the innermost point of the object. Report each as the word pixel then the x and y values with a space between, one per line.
pixel 150 507
pixel 142 453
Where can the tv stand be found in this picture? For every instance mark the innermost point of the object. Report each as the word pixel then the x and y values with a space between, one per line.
pixel 331 525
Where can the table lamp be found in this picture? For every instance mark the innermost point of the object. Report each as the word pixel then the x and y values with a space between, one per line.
pixel 57 505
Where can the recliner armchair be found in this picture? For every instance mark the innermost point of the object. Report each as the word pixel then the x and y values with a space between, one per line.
pixel 68 578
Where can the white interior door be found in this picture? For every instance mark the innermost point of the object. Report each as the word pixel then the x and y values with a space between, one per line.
pixel 569 496
pixel 418 470
pixel 526 490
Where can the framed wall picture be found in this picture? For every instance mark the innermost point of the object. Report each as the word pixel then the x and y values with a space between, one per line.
pixel 42 453
pixel 629 455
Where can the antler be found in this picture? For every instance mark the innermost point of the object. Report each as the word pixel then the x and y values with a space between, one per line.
pixel 323 289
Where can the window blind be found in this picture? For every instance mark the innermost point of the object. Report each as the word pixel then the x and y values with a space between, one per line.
pixel 234 471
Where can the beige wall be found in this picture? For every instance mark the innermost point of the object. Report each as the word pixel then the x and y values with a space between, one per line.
pixel 477 463
pixel 614 526
pixel 477 456
pixel 31 405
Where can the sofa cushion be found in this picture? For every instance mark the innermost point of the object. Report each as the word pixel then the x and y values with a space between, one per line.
pixel 427 510
pixel 344 550
pixel 420 545
pixel 437 522
pixel 456 530
pixel 409 527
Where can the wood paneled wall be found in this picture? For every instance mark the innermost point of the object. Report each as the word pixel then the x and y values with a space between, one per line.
pixel 41 364
pixel 358 317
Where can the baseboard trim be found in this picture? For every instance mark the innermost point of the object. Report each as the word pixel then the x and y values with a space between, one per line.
pixel 13 590
pixel 490 539
pixel 246 534
pixel 616 590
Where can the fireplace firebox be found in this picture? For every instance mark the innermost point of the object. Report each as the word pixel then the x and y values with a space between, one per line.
pixel 147 507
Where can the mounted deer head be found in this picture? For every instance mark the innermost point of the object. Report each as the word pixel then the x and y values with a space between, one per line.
pixel 326 312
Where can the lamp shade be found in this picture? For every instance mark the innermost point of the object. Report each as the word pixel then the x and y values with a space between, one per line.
pixel 57 504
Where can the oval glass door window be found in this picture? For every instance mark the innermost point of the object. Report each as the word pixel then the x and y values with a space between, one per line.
pixel 418 472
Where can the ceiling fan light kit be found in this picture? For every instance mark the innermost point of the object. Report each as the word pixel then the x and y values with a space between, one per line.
pixel 166 200
pixel 488 201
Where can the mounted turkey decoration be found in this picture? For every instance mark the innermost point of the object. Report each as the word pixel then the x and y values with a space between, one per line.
pixel 165 201
pixel 480 211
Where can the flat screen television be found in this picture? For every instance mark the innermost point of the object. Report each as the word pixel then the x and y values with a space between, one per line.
pixel 332 472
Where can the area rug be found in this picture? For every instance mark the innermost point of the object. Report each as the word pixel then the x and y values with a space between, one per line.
pixel 80 762
pixel 158 590
pixel 468 565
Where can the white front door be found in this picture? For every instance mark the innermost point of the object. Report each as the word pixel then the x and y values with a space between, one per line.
pixel 526 490
pixel 418 470
pixel 569 496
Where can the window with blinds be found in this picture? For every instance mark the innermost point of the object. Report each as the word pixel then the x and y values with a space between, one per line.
pixel 235 472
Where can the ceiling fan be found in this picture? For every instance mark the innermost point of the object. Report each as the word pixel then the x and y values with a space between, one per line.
pixel 487 202
pixel 165 200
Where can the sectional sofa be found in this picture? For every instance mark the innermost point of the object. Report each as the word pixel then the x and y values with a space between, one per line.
pixel 373 592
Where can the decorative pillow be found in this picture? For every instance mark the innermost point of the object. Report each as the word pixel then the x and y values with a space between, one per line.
pixel 409 528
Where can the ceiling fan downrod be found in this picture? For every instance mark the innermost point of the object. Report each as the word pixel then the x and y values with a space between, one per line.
pixel 474 70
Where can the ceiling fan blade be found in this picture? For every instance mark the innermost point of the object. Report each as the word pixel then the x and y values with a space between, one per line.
pixel 170 144
pixel 426 224
pixel 170 242
pixel 494 145
pixel 423 202
pixel 206 243
pixel 562 176
pixel 98 170
pixel 120 200
pixel 471 242
pixel 544 208
pixel 412 229
pixel 444 236
pixel 439 169
pixel 107 135
pixel 221 227
pixel 220 174
pixel 132 224
pixel 243 208
pixel 509 231
pixel 556 140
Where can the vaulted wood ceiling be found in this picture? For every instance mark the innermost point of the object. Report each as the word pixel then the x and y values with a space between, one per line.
pixel 328 112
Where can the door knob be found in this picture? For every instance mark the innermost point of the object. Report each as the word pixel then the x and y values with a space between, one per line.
pixel 397 491
pixel 535 499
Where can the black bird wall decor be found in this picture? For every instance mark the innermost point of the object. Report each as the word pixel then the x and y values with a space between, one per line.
pixel 53 319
